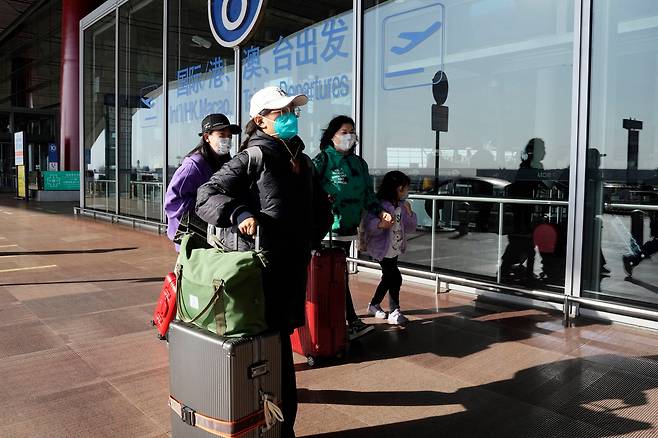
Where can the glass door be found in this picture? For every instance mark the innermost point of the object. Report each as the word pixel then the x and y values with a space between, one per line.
pixel 99 127
pixel 621 211
pixel 141 113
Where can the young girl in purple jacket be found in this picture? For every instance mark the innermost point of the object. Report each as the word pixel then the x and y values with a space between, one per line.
pixel 387 240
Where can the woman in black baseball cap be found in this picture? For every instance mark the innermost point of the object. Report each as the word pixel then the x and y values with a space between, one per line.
pixel 213 150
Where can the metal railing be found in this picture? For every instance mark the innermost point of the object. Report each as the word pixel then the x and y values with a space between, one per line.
pixel 564 299
pixel 161 228
pixel 609 205
pixel 149 191
pixel 8 181
pixel 501 214
pixel 99 186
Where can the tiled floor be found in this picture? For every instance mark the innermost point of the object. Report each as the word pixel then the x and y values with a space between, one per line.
pixel 78 357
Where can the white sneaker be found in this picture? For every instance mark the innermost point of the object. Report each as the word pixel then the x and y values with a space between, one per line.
pixel 397 318
pixel 376 311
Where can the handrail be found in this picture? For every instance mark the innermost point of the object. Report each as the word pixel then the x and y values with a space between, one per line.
pixel 113 217
pixel 556 297
pixel 155 185
pixel 552 296
pixel 638 312
pixel 632 206
pixel 146 183
pixel 489 200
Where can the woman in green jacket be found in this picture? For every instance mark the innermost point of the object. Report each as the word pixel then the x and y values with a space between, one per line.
pixel 345 177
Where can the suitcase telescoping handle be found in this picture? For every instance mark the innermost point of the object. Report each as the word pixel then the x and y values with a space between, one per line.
pixel 257 238
pixel 214 241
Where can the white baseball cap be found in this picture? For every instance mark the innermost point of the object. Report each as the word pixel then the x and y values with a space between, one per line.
pixel 274 98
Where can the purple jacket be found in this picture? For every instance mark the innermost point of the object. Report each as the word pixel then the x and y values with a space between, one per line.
pixel 181 192
pixel 379 239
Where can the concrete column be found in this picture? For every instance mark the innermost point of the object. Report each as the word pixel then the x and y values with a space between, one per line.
pixel 69 144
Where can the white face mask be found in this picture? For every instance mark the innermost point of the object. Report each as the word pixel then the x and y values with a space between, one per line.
pixel 346 142
pixel 221 145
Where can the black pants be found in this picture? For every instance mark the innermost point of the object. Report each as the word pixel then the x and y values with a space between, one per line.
pixel 520 249
pixel 288 388
pixel 349 304
pixel 391 282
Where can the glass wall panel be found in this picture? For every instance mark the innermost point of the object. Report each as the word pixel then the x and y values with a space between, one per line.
pixel 621 217
pixel 141 112
pixel 504 134
pixel 200 76
pixel 99 115
pixel 303 47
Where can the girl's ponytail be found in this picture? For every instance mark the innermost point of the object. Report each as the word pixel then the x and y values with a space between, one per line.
pixel 249 130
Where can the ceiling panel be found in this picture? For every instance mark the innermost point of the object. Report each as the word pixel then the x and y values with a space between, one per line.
pixel 10 10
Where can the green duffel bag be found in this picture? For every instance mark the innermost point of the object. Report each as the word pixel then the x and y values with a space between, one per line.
pixel 220 291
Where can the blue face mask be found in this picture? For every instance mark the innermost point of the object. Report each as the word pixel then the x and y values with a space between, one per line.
pixel 286 126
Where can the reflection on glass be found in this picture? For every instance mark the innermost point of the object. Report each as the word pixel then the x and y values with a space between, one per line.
pixel 621 212
pixel 302 51
pixel 200 76
pixel 509 83
pixel 99 116
pixel 141 127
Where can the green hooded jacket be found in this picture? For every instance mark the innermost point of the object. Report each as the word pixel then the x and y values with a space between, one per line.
pixel 347 180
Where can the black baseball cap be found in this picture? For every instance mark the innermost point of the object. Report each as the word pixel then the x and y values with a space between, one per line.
pixel 217 122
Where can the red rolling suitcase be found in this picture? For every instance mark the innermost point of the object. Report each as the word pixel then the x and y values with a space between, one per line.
pixel 165 310
pixel 325 334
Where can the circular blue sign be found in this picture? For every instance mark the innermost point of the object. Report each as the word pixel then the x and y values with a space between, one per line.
pixel 233 21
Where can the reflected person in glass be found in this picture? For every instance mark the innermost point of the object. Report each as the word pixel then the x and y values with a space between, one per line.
pixel 346 179
pixel 521 249
pixel 213 150
pixel 648 248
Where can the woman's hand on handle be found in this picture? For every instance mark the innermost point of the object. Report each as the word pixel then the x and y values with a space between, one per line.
pixel 248 226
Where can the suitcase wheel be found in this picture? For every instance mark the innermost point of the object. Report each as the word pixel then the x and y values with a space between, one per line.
pixel 311 361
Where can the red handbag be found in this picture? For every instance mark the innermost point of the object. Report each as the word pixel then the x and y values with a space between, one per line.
pixel 165 310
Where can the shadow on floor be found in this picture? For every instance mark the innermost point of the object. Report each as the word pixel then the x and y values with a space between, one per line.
pixel 647 286
pixel 134 280
pixel 66 251
pixel 571 398
pixel 456 332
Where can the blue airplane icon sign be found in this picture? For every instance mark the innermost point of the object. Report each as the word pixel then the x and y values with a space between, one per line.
pixel 415 38
pixel 412 45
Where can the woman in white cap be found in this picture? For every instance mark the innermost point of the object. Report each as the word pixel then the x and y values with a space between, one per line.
pixel 273 185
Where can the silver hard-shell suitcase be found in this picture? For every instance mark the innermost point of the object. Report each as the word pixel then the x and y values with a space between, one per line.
pixel 234 382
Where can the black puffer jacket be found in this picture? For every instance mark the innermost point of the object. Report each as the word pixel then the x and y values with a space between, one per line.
pixel 290 207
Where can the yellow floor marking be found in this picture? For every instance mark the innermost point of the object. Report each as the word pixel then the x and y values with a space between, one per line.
pixel 28 268
pixel 7 246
